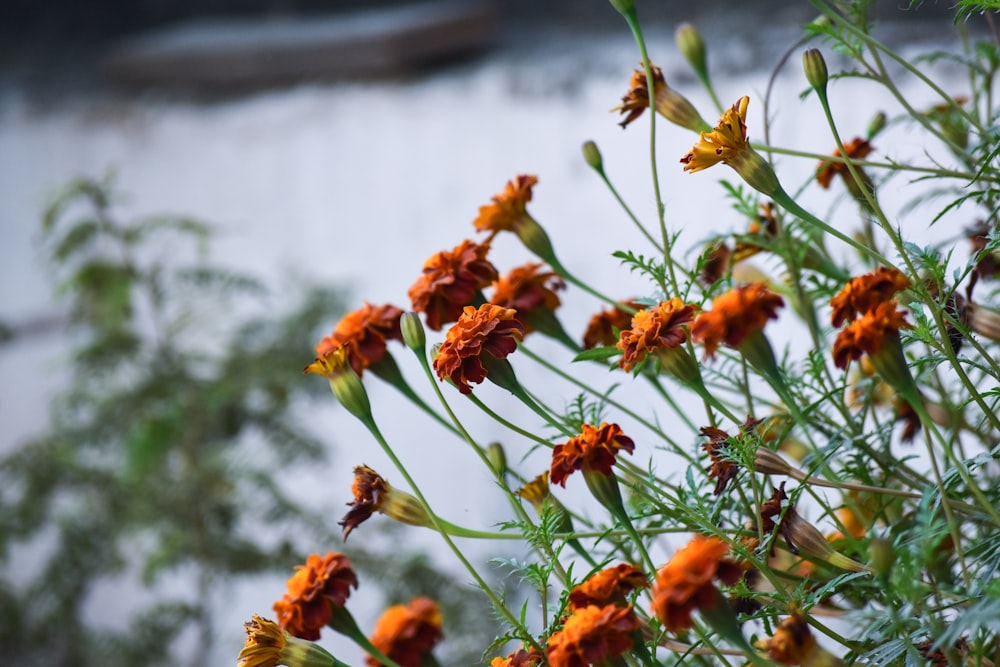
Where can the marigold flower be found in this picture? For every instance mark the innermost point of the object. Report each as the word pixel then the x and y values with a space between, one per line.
pixel 668 102
pixel 264 644
pixel 482 333
pixel 721 469
pixel 735 315
pixel 724 143
pixel 528 290
pixel 596 449
pixel 451 280
pixel 861 294
pixel 406 633
pixel 607 587
pixel 605 327
pixel 867 334
pixel 519 658
pixel 857 149
pixel 792 643
pixel 686 582
pixel 509 208
pixel 367 330
pixel 662 326
pixel 335 366
pixel 592 635
pixel 374 494
pixel 323 581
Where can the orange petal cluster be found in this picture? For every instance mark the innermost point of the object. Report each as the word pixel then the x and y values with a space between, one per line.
pixel 519 658
pixel 527 289
pixel 609 586
pixel 508 208
pixel 605 327
pixel 663 325
pixel 792 643
pixel 857 149
pixel 724 143
pixel 451 280
pixel 487 330
pixel 866 334
pixel 407 633
pixel 736 314
pixel 264 644
pixel 364 332
pixel 686 582
pixel 592 635
pixel 317 586
pixel 636 100
pixel 863 293
pixel 596 448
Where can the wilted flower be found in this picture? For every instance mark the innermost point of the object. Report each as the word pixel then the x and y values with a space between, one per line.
pixel 595 449
pixel 861 294
pixel 374 494
pixel 735 315
pixel 509 208
pixel 686 582
pixel 452 280
pixel 857 149
pixel 592 635
pixel 868 334
pixel 605 327
pixel 668 102
pixel 366 330
pixel 481 334
pixel 406 633
pixel 609 586
pixel 721 469
pixel 317 586
pixel 658 327
pixel 529 291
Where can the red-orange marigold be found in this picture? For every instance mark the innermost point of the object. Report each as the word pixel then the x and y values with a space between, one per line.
pixel 735 315
pixel 866 334
pixel 519 658
pixel 365 332
pixel 596 448
pixel 605 327
pixel 663 325
pixel 863 293
pixel 526 289
pixel 317 586
pixel 406 633
pixel 685 583
pixel 857 149
pixel 592 635
pixel 489 329
pixel 508 208
pixel 450 281
pixel 609 586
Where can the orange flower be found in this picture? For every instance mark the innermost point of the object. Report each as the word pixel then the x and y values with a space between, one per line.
pixel 792 643
pixel 685 583
pixel 264 644
pixel 721 470
pixel 490 330
pixel 861 294
pixel 662 326
pixel 406 633
pixel 366 330
pixel 857 149
pixel 592 635
pixel 724 143
pixel 669 103
pixel 867 334
pixel 519 658
pixel 605 327
pixel 451 281
pixel 596 448
pixel 527 290
pixel 607 587
pixel 315 586
pixel 636 100
pixel 509 208
pixel 735 315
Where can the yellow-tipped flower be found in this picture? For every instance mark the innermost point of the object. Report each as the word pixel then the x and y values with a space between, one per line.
pixel 268 645
pixel 335 366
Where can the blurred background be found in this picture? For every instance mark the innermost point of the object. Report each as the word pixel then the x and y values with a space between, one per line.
pixel 221 181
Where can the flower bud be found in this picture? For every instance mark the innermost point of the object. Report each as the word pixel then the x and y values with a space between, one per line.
pixel 881 555
pixel 875 125
pixel 815 66
pixel 413 331
pixel 344 382
pixel 497 458
pixel 592 156
pixel 692 47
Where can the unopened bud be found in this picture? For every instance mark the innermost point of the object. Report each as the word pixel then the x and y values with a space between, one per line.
pixel 413 331
pixel 497 458
pixel 881 555
pixel 875 125
pixel 692 47
pixel 592 156
pixel 769 463
pixel 815 66
pixel 344 382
